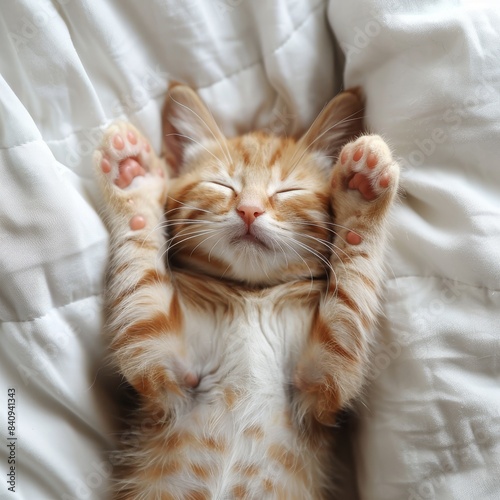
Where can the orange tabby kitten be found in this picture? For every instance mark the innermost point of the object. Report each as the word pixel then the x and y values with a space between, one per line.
pixel 241 298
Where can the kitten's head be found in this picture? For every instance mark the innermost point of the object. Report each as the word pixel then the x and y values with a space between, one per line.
pixel 255 208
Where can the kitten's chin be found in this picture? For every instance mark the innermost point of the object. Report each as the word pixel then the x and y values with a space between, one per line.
pixel 253 265
pixel 250 259
pixel 249 243
pixel 266 276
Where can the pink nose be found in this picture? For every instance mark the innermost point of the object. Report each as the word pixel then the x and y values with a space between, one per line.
pixel 249 213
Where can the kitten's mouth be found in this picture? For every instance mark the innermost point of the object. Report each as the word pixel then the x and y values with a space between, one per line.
pixel 251 239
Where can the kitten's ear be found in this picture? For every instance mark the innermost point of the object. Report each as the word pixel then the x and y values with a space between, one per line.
pixel 186 122
pixel 340 121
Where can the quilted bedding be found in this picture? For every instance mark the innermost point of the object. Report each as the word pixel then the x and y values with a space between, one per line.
pixel 429 427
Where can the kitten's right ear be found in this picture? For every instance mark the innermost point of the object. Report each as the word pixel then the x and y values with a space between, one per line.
pixel 340 121
pixel 186 122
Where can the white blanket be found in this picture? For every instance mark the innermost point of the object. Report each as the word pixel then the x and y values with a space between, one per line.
pixel 430 425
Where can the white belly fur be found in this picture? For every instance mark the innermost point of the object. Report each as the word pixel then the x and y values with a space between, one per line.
pixel 246 364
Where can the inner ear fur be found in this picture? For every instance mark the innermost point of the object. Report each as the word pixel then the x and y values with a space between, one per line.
pixel 339 122
pixel 186 121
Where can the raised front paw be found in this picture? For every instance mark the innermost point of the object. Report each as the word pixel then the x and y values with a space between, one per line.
pixel 365 182
pixel 132 177
pixel 366 172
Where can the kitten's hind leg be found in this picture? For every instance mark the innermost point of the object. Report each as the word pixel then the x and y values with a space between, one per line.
pixel 332 369
pixel 144 316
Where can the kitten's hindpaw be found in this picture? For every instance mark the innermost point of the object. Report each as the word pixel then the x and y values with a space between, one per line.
pixel 318 394
pixel 159 365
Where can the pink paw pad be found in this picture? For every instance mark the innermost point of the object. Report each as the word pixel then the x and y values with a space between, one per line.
pixel 362 183
pixel 129 168
pixel 131 137
pixel 105 166
pixel 118 142
pixel 358 154
pixel 343 157
pixel 384 181
pixel 366 165
pixel 353 238
pixel 125 157
pixel 137 222
pixel 371 160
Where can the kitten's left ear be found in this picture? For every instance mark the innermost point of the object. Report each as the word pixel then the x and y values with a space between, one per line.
pixel 186 122
pixel 340 121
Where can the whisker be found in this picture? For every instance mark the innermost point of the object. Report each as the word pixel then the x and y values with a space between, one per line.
pixel 185 205
pixel 312 125
pixel 325 243
pixel 332 231
pixel 182 232
pixel 157 227
pixel 311 250
pixel 282 249
pixel 323 259
pixel 344 120
pixel 331 246
pixel 187 222
pixel 173 224
pixel 304 261
pixel 188 236
pixel 216 232
pixel 231 263
pixel 275 253
pixel 216 243
pixel 341 226
pixel 323 223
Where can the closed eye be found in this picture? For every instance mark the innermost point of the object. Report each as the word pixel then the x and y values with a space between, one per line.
pixel 290 190
pixel 221 184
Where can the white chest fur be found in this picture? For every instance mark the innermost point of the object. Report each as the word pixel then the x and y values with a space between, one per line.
pixel 253 347
pixel 240 417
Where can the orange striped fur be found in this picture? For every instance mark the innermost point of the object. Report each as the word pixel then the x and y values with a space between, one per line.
pixel 241 297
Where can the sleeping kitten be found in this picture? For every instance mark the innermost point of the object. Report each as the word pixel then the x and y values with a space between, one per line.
pixel 241 298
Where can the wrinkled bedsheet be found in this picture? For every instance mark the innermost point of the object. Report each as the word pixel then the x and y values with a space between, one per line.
pixel 429 427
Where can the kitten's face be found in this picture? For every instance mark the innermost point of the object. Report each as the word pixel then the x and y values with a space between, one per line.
pixel 254 209
pixel 256 212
